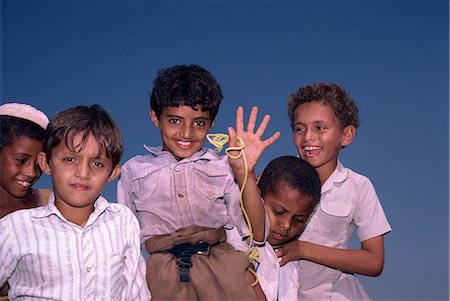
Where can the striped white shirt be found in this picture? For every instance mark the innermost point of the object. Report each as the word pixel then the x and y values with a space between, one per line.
pixel 44 256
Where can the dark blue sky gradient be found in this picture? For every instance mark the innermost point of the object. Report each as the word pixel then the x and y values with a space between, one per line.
pixel 391 56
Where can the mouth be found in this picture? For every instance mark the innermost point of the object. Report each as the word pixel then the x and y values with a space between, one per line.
pixel 312 150
pixel 79 187
pixel 278 236
pixel 184 144
pixel 24 184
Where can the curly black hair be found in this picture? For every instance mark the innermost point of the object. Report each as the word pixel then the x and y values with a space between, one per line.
pixel 189 85
pixel 334 95
pixel 297 173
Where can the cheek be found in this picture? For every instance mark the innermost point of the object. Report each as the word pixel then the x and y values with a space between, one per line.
pixel 273 219
pixel 297 141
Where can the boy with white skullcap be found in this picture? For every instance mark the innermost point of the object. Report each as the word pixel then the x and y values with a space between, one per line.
pixel 22 129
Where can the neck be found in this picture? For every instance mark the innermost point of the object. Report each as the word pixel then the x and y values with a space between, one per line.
pixel 76 215
pixel 9 203
pixel 325 171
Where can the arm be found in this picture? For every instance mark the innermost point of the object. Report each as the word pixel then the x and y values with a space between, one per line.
pixel 8 249
pixel 134 271
pixel 124 189
pixel 368 260
pixel 253 149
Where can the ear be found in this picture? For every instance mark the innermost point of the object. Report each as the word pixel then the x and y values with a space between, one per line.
pixel 114 173
pixel 348 136
pixel 154 117
pixel 43 163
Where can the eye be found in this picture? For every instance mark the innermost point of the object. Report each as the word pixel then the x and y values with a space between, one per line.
pixel 201 122
pixel 98 164
pixel 21 161
pixel 321 128
pixel 300 221
pixel 68 159
pixel 277 212
pixel 174 121
pixel 299 129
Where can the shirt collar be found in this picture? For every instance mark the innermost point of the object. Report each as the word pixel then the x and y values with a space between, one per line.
pixel 339 175
pixel 203 153
pixel 101 205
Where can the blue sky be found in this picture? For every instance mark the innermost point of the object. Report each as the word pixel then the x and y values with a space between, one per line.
pixel 391 56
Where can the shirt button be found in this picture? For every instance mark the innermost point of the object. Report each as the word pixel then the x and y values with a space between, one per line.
pixel 177 168
pixel 88 269
pixel 180 195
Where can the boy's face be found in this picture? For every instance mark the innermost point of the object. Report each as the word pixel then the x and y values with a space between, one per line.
pixel 319 136
pixel 18 166
pixel 78 177
pixel 183 129
pixel 288 212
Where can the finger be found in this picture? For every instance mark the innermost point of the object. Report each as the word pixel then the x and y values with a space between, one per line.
pixel 232 137
pixel 283 261
pixel 252 119
pixel 239 119
pixel 269 141
pixel 262 127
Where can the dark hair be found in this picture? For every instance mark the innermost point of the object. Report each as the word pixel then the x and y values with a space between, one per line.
pixel 14 127
pixel 297 173
pixel 66 124
pixel 189 85
pixel 334 95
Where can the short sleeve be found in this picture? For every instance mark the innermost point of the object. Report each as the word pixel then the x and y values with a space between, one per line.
pixel 369 216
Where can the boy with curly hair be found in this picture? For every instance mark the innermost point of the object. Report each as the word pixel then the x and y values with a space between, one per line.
pixel 324 120
pixel 185 196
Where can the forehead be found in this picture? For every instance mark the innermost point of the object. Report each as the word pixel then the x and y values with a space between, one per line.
pixel 315 110
pixel 290 200
pixel 75 143
pixel 186 112
pixel 23 145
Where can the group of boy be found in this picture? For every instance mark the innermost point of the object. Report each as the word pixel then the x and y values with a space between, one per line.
pixel 200 215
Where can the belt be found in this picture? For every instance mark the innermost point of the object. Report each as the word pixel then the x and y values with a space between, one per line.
pixel 184 253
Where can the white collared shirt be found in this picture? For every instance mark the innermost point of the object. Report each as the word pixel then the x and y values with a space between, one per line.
pixel 348 200
pixel 44 256
pixel 277 283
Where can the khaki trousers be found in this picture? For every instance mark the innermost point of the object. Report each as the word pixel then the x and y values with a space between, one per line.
pixel 221 275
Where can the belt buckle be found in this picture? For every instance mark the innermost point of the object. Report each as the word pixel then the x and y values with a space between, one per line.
pixel 206 251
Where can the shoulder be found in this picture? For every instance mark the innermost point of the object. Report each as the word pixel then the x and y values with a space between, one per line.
pixel 139 159
pixel 122 211
pixel 214 158
pixel 22 216
pixel 141 165
pixel 354 177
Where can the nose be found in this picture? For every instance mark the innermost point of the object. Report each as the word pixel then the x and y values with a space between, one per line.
pixel 309 134
pixel 285 224
pixel 187 131
pixel 82 170
pixel 32 170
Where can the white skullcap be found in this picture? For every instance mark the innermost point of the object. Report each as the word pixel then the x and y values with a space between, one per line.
pixel 24 111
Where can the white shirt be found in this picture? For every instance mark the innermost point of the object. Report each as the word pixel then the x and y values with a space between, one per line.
pixel 44 256
pixel 348 199
pixel 277 283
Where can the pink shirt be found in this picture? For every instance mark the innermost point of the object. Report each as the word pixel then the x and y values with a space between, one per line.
pixel 167 195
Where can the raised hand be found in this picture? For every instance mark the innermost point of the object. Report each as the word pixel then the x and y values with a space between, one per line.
pixel 254 146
